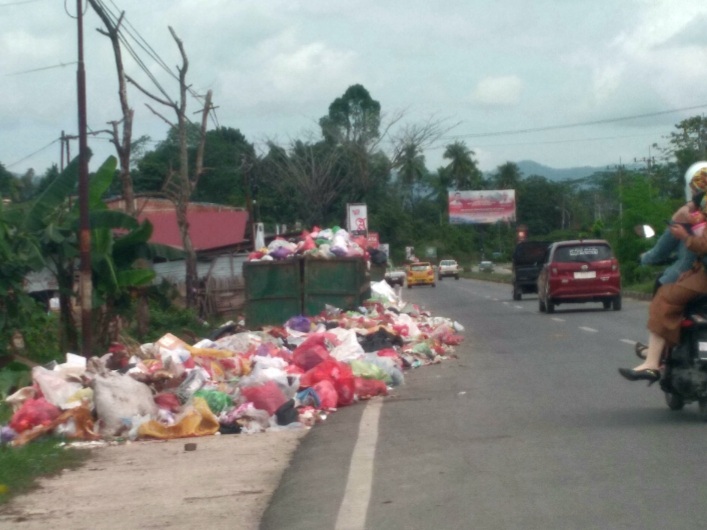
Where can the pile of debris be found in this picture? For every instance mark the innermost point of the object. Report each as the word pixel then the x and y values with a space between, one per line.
pixel 321 243
pixel 238 381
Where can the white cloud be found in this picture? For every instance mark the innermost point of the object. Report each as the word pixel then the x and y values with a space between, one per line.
pixel 498 91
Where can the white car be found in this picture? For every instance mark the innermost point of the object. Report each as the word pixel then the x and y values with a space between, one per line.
pixel 448 267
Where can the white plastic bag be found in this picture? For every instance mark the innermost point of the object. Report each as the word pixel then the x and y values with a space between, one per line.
pixel 118 399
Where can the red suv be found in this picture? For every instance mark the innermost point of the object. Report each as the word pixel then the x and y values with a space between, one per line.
pixel 579 271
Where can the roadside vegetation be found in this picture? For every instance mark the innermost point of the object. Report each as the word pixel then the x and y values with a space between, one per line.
pixel 359 154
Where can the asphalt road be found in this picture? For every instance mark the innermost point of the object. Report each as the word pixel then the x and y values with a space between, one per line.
pixel 531 427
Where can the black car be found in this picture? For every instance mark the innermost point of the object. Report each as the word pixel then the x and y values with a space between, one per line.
pixel 527 263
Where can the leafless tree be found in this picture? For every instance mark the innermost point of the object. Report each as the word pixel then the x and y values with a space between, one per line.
pixel 180 184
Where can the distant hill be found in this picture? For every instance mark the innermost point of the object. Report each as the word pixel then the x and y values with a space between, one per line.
pixel 529 168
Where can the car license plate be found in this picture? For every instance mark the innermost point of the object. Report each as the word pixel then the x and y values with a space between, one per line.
pixel 585 275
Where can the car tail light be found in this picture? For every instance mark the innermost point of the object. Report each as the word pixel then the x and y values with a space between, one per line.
pixel 614 265
pixel 553 271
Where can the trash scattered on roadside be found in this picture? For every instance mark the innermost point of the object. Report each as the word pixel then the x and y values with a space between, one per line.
pixel 279 377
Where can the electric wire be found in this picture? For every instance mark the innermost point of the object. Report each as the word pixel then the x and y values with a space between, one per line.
pixel 574 125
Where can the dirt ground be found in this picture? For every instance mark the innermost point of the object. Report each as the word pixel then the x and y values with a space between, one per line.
pixel 226 482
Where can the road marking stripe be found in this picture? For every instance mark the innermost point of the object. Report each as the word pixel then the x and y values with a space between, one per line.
pixel 558 319
pixel 592 330
pixel 357 496
pixel 631 342
pixel 518 306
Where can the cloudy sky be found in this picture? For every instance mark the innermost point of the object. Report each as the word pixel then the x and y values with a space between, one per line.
pixel 562 82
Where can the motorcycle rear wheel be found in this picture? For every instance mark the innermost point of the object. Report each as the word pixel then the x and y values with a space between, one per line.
pixel 674 401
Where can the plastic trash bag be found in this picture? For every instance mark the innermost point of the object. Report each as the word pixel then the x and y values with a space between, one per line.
pixel 328 396
pixel 299 323
pixel 338 373
pixel 268 396
pixel 55 388
pixel 218 401
pixel 119 397
pixel 368 388
pixel 196 420
pixel 32 413
pixel 313 350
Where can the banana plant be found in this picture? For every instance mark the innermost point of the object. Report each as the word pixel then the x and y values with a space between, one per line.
pixel 117 242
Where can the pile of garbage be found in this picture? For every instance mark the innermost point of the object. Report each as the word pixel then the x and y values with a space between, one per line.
pixel 321 243
pixel 237 381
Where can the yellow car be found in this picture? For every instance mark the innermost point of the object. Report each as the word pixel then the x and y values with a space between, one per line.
pixel 421 273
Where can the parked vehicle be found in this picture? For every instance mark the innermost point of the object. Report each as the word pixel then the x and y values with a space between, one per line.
pixel 420 273
pixel 526 263
pixel 579 271
pixel 448 268
pixel 486 266
pixel 395 276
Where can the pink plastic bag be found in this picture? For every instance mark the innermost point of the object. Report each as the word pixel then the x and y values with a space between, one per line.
pixel 313 350
pixel 327 394
pixel 368 388
pixel 268 396
pixel 34 412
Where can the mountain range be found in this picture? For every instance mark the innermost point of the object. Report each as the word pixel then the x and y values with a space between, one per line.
pixel 529 168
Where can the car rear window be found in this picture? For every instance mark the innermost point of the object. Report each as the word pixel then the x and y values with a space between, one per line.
pixel 419 267
pixel 585 253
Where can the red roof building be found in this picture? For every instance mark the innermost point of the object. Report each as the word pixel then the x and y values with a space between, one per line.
pixel 213 228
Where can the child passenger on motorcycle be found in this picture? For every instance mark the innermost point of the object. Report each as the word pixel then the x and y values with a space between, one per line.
pixel 665 312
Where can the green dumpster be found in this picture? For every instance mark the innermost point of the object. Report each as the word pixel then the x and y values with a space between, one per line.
pixel 338 282
pixel 273 291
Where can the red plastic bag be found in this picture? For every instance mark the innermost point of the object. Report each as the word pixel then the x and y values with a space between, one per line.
pixel 368 388
pixel 338 373
pixel 168 401
pixel 313 350
pixel 326 392
pixel 34 412
pixel 268 396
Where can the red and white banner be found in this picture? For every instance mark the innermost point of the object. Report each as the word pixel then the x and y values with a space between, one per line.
pixel 357 219
pixel 481 207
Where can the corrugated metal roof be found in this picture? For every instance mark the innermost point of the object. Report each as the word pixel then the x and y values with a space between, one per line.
pixel 211 226
pixel 209 230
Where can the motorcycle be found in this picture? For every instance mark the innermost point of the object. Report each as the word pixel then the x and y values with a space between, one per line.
pixel 683 367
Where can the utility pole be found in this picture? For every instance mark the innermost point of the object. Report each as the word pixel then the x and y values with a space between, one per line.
pixel 85 285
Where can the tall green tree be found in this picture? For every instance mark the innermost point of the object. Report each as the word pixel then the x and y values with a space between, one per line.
pixel 507 176
pixel 462 170
pixel 353 118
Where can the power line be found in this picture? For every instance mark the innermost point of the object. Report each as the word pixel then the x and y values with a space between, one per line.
pixel 19 3
pixel 60 65
pixel 573 125
pixel 36 152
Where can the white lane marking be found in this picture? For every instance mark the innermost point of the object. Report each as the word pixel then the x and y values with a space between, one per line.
pixel 592 330
pixel 631 342
pixel 357 496
pixel 518 306
pixel 558 319
pixel 505 303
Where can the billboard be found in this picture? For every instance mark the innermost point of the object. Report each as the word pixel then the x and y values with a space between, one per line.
pixel 481 207
pixel 357 219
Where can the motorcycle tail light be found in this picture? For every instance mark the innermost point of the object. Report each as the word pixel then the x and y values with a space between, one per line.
pixel 686 323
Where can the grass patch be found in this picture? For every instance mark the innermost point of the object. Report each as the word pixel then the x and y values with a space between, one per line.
pixel 21 466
